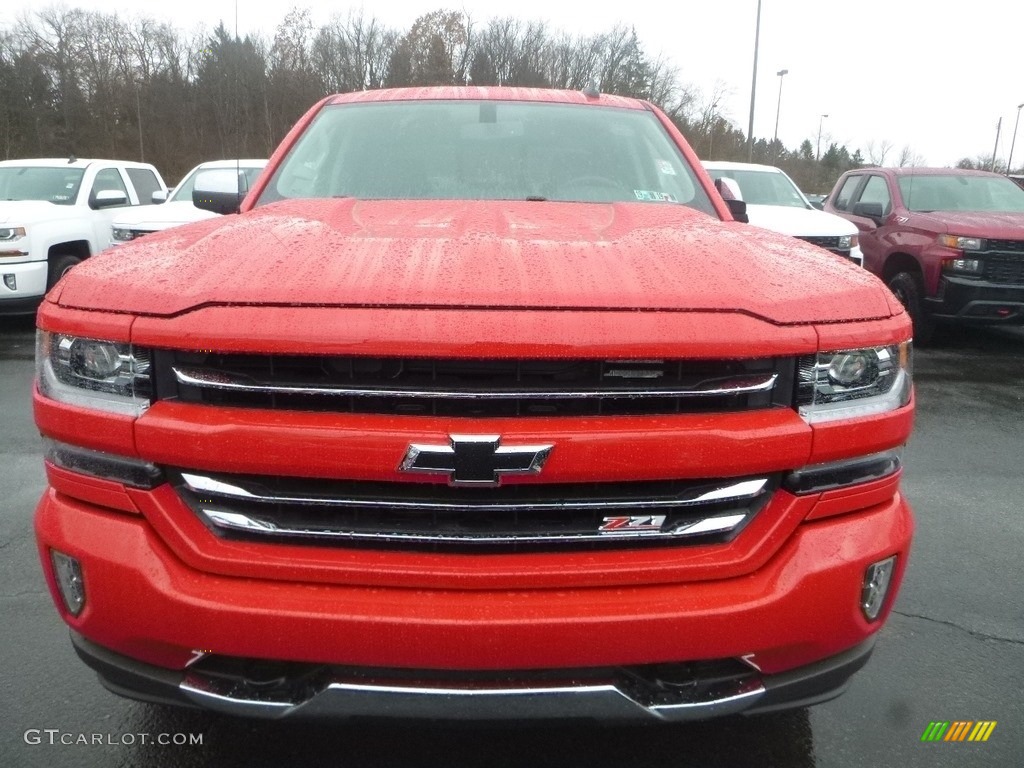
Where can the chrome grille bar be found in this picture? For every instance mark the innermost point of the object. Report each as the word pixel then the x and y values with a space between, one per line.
pixel 439 517
pixel 244 523
pixel 212 487
pixel 219 380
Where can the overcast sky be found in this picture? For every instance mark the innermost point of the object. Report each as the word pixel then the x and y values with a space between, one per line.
pixel 934 76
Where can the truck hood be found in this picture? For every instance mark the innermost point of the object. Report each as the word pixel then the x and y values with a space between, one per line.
pixel 23 213
pixel 799 222
pixel 998 226
pixel 150 218
pixel 479 254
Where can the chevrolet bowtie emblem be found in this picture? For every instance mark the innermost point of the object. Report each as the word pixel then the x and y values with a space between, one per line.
pixel 475 459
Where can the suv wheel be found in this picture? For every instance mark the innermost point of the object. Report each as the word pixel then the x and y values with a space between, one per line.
pixel 907 287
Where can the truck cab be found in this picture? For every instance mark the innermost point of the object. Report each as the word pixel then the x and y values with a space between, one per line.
pixel 948 242
pixel 54 213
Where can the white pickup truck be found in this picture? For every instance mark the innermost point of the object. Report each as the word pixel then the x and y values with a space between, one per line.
pixel 56 212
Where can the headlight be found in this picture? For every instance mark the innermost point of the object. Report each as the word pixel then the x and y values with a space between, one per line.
pixel 854 382
pixel 8 234
pixel 962 243
pixel 121 235
pixel 110 376
pixel 848 241
pixel 963 266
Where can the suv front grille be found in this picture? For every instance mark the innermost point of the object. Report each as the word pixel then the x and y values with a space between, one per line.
pixel 1001 268
pixel 1010 246
pixel 474 388
pixel 437 517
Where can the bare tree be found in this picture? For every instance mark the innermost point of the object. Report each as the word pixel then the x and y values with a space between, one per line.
pixel 908 157
pixel 665 88
pixel 877 152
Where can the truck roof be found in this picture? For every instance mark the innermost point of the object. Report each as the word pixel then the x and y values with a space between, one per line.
pixel 490 93
pixel 911 171
pixel 725 165
pixel 64 162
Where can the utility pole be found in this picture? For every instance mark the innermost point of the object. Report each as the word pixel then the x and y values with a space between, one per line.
pixel 778 108
pixel 1013 141
pixel 817 154
pixel 999 127
pixel 753 88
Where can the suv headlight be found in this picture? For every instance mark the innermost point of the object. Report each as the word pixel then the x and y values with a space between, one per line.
pixel 964 266
pixel 854 382
pixel 962 243
pixel 111 376
pixel 848 241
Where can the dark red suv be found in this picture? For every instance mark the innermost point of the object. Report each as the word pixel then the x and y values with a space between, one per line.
pixel 948 242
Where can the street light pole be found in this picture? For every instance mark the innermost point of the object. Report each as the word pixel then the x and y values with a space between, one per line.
pixel 778 108
pixel 1009 168
pixel 753 88
pixel 817 154
pixel 999 128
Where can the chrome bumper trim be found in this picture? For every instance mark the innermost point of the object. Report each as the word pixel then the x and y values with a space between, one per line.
pixel 347 699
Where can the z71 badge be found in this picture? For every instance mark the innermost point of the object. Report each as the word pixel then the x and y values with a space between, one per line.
pixel 630 524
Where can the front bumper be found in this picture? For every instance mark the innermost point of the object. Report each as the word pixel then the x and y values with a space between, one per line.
pixel 604 695
pixel 30 279
pixel 800 609
pixel 973 301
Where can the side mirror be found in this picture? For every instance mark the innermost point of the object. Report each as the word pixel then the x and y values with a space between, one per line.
pixel 220 190
pixel 819 204
pixel 160 196
pixel 738 209
pixel 108 198
pixel 730 192
pixel 871 211
pixel 729 189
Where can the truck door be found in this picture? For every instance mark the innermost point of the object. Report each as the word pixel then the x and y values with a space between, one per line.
pixel 107 179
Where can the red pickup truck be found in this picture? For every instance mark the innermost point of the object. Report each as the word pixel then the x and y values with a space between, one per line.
pixel 948 242
pixel 483 406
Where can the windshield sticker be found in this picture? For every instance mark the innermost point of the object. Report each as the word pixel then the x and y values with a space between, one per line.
pixel 650 196
pixel 666 168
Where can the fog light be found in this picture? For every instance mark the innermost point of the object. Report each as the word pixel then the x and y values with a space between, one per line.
pixel 69 581
pixel 11 281
pixel 877 578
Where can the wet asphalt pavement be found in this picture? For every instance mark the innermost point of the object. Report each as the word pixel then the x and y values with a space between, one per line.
pixel 953 650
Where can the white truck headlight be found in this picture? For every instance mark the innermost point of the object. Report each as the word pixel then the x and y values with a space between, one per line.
pixel 108 375
pixel 854 382
pixel 10 234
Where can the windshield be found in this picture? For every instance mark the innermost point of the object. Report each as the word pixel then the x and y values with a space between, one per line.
pixel 991 194
pixel 184 189
pixel 487 150
pixel 763 187
pixel 52 185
